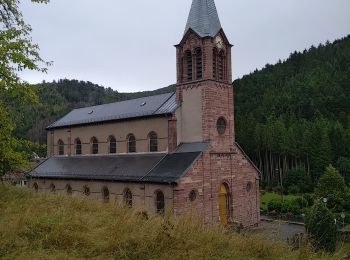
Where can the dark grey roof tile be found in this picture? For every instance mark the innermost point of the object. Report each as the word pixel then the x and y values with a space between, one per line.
pixel 141 107
pixel 203 18
pixel 192 147
pixel 152 168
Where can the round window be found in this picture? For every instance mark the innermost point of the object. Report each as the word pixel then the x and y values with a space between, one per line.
pixel 193 195
pixel 221 125
pixel 249 186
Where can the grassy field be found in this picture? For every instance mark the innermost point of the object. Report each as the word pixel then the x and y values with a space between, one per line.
pixel 268 196
pixel 42 226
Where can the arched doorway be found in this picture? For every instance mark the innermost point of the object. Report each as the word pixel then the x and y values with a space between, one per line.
pixel 224 204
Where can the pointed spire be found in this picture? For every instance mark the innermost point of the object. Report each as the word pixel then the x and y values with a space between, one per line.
pixel 203 18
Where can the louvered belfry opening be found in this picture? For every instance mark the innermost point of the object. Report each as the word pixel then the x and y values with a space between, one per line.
pixel 189 70
pixel 199 64
pixel 221 66
pixel 215 63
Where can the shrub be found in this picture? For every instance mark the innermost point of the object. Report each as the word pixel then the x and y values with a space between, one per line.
pixel 301 202
pixel 332 186
pixel 340 219
pixel 321 227
pixel 291 206
pixel 294 189
pixel 298 181
pixel 343 165
pixel 309 198
pixel 277 189
pixel 275 204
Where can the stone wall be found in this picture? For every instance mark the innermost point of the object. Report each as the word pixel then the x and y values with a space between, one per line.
pixel 205 178
pixel 120 130
pixel 143 195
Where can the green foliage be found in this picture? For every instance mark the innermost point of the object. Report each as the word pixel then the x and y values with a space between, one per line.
pixel 332 186
pixel 293 206
pixel 321 227
pixel 309 198
pixel 339 218
pixel 298 181
pixel 295 114
pixel 17 53
pixel 343 165
pixel 10 160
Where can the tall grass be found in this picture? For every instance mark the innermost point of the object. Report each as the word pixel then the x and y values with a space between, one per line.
pixel 42 226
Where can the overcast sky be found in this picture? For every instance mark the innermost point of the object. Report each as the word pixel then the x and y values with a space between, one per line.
pixel 128 45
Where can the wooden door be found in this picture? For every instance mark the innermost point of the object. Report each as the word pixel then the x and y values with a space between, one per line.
pixel 224 205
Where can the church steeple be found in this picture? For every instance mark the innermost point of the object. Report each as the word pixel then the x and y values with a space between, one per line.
pixel 204 80
pixel 204 52
pixel 203 18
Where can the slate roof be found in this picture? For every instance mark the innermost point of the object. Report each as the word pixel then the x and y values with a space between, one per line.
pixel 135 108
pixel 149 168
pixel 203 18
pixel 192 147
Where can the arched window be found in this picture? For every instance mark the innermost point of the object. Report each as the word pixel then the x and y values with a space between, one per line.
pixel 160 203
pixel 35 186
pixel 77 144
pixel 188 67
pixel 215 63
pixel 131 143
pixel 69 189
pixel 112 144
pixel 52 187
pixel 94 145
pixel 199 64
pixel 60 145
pixel 153 142
pixel 221 66
pixel 128 198
pixel 86 190
pixel 105 194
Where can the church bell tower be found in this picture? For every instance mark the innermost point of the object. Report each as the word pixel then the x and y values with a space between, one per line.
pixel 204 80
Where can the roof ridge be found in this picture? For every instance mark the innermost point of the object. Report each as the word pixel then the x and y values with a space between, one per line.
pixel 161 159
pixel 155 112
pixel 123 101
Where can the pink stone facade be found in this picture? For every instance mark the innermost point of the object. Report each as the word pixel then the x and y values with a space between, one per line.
pixel 224 163
pixel 206 176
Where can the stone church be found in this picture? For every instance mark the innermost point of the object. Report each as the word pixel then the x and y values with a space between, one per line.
pixel 174 151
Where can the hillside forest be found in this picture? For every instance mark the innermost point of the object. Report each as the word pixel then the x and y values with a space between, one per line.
pixel 294 115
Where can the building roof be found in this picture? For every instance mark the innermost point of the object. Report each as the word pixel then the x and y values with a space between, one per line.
pixel 203 18
pixel 135 108
pixel 149 168
pixel 192 147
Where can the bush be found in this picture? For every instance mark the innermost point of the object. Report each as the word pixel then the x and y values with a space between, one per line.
pixel 309 198
pixel 340 219
pixel 294 189
pixel 294 206
pixel 277 189
pixel 343 165
pixel 298 181
pixel 332 186
pixel 291 206
pixel 275 205
pixel 321 227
